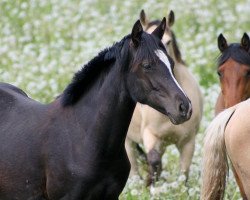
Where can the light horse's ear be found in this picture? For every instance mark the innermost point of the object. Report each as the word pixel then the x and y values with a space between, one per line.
pixel 222 43
pixel 159 31
pixel 245 42
pixel 171 18
pixel 143 18
pixel 136 33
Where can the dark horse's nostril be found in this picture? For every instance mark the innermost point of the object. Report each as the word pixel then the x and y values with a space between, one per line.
pixel 183 109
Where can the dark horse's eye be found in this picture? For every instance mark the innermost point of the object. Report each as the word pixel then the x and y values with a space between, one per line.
pixel 146 66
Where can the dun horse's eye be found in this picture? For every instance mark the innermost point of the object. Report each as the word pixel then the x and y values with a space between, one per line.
pixel 168 42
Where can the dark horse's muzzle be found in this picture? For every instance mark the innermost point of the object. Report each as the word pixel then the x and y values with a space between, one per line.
pixel 184 111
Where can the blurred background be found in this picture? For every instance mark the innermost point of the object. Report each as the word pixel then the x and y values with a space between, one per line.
pixel 44 42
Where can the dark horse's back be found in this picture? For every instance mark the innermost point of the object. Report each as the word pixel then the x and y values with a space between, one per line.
pixel 15 104
pixel 19 155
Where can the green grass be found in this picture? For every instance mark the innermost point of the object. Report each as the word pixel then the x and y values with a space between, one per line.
pixel 42 44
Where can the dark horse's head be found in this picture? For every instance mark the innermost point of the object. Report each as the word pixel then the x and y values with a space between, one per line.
pixel 147 70
pixel 234 70
pixel 150 78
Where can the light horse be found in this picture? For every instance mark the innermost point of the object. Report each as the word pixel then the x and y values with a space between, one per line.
pixel 73 148
pixel 228 134
pixel 153 129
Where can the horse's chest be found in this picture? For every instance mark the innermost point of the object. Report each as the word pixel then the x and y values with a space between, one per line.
pixel 92 181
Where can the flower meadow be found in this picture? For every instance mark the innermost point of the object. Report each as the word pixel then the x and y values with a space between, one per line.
pixel 43 43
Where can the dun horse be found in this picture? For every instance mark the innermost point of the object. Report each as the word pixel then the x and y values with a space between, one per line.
pixel 153 129
pixel 73 148
pixel 228 134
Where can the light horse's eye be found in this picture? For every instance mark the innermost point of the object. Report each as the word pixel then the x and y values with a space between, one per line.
pixel 168 42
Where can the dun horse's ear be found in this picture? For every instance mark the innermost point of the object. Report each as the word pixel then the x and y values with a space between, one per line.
pixel 245 42
pixel 136 33
pixel 143 18
pixel 222 43
pixel 159 31
pixel 171 18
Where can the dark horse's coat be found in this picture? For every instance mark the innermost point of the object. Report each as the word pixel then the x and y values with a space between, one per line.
pixel 73 148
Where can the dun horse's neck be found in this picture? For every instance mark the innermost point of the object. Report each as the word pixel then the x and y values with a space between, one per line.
pixel 178 65
pixel 171 53
pixel 105 112
pixel 174 51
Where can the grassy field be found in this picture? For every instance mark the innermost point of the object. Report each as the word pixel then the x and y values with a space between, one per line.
pixel 42 44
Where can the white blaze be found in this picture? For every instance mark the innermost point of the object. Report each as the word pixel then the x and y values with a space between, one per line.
pixel 162 56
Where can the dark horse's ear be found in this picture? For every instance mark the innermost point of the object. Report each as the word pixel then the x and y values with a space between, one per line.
pixel 222 43
pixel 143 18
pixel 159 31
pixel 136 33
pixel 245 42
pixel 171 18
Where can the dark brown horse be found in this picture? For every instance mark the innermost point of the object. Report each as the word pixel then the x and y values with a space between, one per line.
pixel 234 72
pixel 73 148
pixel 154 130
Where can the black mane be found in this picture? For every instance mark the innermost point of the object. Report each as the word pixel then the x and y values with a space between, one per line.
pixel 89 72
pixel 237 53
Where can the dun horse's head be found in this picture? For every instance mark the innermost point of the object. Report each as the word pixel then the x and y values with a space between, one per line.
pixel 234 70
pixel 151 80
pixel 168 38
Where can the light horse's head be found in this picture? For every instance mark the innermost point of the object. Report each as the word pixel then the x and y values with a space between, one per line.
pixel 234 70
pixel 150 78
pixel 168 38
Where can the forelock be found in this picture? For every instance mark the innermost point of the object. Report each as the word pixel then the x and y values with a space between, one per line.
pixel 146 49
pixel 237 53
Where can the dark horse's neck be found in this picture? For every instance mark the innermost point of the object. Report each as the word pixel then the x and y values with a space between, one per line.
pixel 105 109
pixel 110 113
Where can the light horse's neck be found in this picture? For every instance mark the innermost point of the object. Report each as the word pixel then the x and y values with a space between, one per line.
pixel 105 110
pixel 174 51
